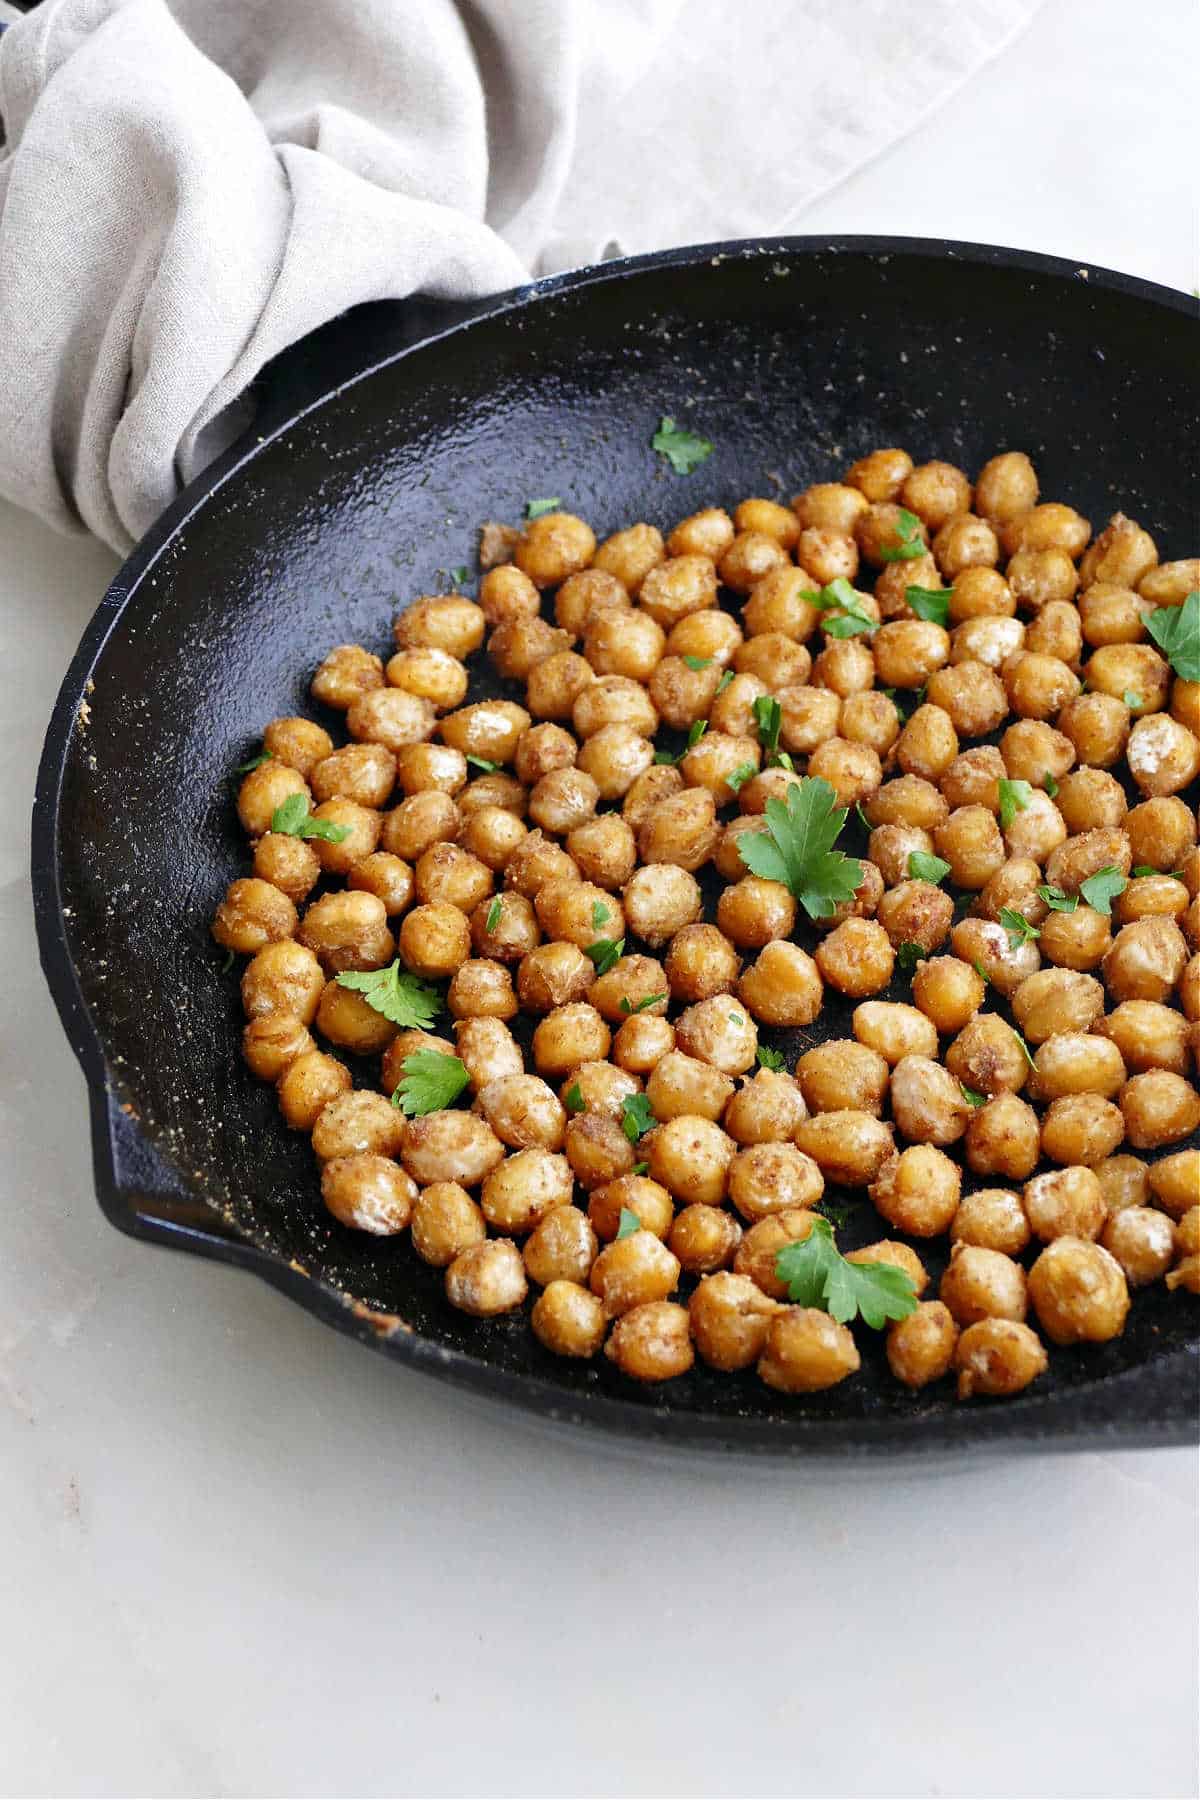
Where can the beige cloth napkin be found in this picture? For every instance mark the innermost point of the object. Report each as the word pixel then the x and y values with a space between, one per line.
pixel 188 186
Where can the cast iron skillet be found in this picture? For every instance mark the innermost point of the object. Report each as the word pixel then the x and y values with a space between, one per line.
pixel 795 356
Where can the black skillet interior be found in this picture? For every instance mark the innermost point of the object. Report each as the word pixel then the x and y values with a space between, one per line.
pixel 794 357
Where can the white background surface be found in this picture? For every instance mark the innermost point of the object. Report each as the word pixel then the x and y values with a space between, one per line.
pixel 238 1555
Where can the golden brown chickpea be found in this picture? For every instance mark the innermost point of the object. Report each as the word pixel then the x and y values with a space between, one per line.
pixel 827 555
pixel 504 593
pixel 714 761
pixel 519 1191
pixel 598 1150
pixel 1122 552
pixel 577 912
pixel 751 555
pixel 1146 960
pixel 681 830
pixel 848 1147
pixel 729 1318
pixel 928 744
pixel 890 846
pixel 603 1088
pixel 856 958
pixel 769 518
pixel 358 1121
pixel 754 912
pixel 659 901
pixel 987 1056
pixel 853 771
pixel 631 554
pixel 1057 1000
pixel 1078 940
pixel 1152 896
pixel 987 640
pixel 1142 1241
pixel 781 607
pixel 998 1357
pixel 908 651
pixel 809 718
pixel 503 929
pixel 845 665
pixel 1032 749
pixel 517 645
pixel 1175 1181
pixel 1159 1108
pixel 1096 726
pixel 782 986
pixel 1081 1128
pixel 1120 669
pixel 1089 799
pixel 605 851
pixel 1163 755
pixel 704 1238
pixel 1035 830
pixel 271 1042
pixel 1065 1203
pixel 927 1102
pixel 1078 1292
pixel 568 1320
pixel 346 673
pixel 387 718
pixel 553 547
pixel 806 1351
pixel 894 1030
pixel 300 743
pixel 681 694
pixel 633 1271
pixel 1113 615
pixel 970 842
pixel 773 660
pixel 765 1110
pixel 1003 1138
pixel 1187 1232
pixel 568 1036
pixel 492 834
pixel 430 674
pixel 675 588
pixel 450 1146
pixel 263 791
pixel 1040 578
pixel 348 1021
pixel 707 634
pixel 447 622
pixel 870 719
pixel 487 1049
pixel 553 686
pixel 434 940
pixel 624 643
pixel 936 491
pixel 993 1219
pixel 732 712
pixel 920 1348
pixel 971 696
pixel 348 931
pixel 565 799
pixel 609 700
pixel 707 533
pixel 1049 526
pixel 1006 487
pixel 445 1222
pixel 585 594
pixel 642 1042
pixel 831 506
pixel 1161 832
pixel 682 1086
pixel 658 783
pixel 650 1203
pixel 368 1193
pixel 918 1191
pixel 421 820
pixel 916 912
pixel 283 977
pixel 1189 993
pixel 562 1247
pixel 307 1085
pixel 1170 583
pixel 690 1157
pixel 718 1032
pixel 523 1111
pixel 1124 1181
pixel 948 991
pixel 487 1279
pixel 755 1255
pixel 403 1045
pixel 982 1284
pixel 1076 1062
pixel 881 475
pixel 770 1178
pixel 541 749
pixel 880 531
pixel 986 944
pixel 652 1342
pixel 386 876
pixel 701 963
pixel 842 1074
pixel 1016 886
pixel 1038 686
pixel 537 863
pixel 965 542
pixel 632 982
pixel 978 593
pixel 1148 1036
pixel 361 827
pixel 448 875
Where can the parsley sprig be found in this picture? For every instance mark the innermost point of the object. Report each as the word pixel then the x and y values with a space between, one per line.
pixel 817 1274
pixel 932 604
pixel 396 994
pixel 605 952
pixel 292 818
pixel 1014 798
pixel 797 848
pixel 431 1080
pixel 909 542
pixel 1176 631
pixel 845 614
pixel 637 1117
pixel 684 450
pixel 627 1224
pixel 1102 888
pixel 536 509
pixel 924 867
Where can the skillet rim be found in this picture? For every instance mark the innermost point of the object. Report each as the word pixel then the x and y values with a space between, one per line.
pixel 1151 1404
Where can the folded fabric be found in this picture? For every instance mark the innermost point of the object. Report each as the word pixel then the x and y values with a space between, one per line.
pixel 188 186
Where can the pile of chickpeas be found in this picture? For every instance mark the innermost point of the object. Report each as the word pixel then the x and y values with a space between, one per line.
pixel 489 845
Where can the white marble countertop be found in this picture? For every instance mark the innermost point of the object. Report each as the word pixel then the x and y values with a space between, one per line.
pixel 240 1556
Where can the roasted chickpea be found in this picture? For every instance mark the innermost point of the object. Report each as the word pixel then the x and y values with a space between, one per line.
pixel 609 700
pixel 917 1191
pixel 766 1109
pixel 1078 1292
pixel 421 820
pixel 1089 799
pixel 894 1030
pixel 348 931
pixel 683 1086
pixel 986 640
pixel 659 901
pixel 987 1056
pixel 562 1247
pixel 715 760
pixel 306 1086
pixel 1146 960
pixel 927 1102
pixel 1015 885
pixel 435 939
pixel 928 744
pixel 282 977
pixel 1124 1181
pixel 774 660
pixel 263 791
pixel 970 841
pixel 602 1088
pixel 1120 669
pixel 848 1147
pixel 649 1202
pixel 920 1348
pixel 621 642
pixel 642 1042
pixel 1056 632
pixel 971 695
pixel 368 1192
pixel 1142 1241
pixel 518 644
pixel 1163 755
pixel 770 1178
pixel 1003 1138
pixel 948 991
pixel 631 554
pixel 965 542
pixel 998 1356
pixel 1096 726
pixel 1078 940
pixel 1076 1062
pixel 633 1271
pixel 445 1222
pixel 1159 1108
pixel 504 593
pixel 1006 487
pixel 652 1342
pixel 916 912
pixel 679 586
pixel 271 1042
pixel 1057 1000
pixel 597 1149
pixel 846 665
pixel 346 673
pixel 856 958
pixel 843 1074
pixel 356 1122
pixel 987 944
pixel 553 547
pixel 523 1111
pixel 982 1284
pixel 881 475
pixel 524 1187
pixel 568 1036
pixel 346 1019
pixel 755 1255
pixel 487 1279
pixel 568 1320
pixel 682 830
pixel 805 1351
pixel 1065 1203
pixel 707 533
pixel 1110 614
pixel 1175 1181
pixel 487 1049
pixel 993 1219
pixel 300 743
pixel 1031 750
pixel 690 1157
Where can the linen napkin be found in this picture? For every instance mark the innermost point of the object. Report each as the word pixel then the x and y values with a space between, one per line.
pixel 188 186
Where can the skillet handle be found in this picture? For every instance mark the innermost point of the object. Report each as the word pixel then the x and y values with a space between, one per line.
pixel 139 1191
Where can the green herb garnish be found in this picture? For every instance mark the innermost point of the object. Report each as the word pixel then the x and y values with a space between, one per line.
pixel 494 912
pixel 1017 926
pixel 1176 631
pixel 684 450
pixel 637 1116
pixel 971 1097
pixel 698 662
pixel 628 1224
pixel 430 1082
pixel 1049 783
pixel 725 680
pixel 1130 699
pixel 768 1058
pixel 847 616
pixel 768 717
pixel 1024 1046
pixel 637 1006
pixel 605 952
pixel 797 848
pixel 816 1274
pixel 1102 888
pixel 1057 900
pixel 255 762
pixel 534 509
pixel 741 775
pixel 292 819
pixel 639 1168
pixel 601 914
pixel 923 867
pixel 481 762
pixel 459 575
pixel 909 542
pixel 396 994
pixel 929 603
pixel 909 955
pixel 696 732
pixel 573 1099
pixel 1014 798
